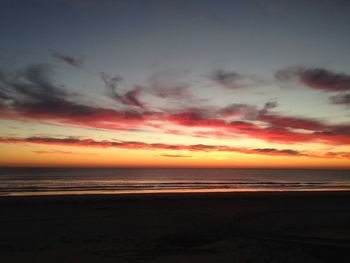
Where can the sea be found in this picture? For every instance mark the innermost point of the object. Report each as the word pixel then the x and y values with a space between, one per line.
pixel 64 181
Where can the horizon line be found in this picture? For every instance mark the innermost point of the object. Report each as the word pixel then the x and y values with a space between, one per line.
pixel 172 167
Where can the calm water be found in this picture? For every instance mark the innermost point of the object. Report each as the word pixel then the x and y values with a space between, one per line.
pixel 118 181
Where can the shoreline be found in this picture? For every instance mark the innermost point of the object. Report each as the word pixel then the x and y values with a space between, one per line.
pixel 127 194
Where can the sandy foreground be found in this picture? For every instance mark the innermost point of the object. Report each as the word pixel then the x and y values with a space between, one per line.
pixel 225 227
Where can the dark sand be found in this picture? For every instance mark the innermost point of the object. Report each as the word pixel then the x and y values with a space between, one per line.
pixel 228 227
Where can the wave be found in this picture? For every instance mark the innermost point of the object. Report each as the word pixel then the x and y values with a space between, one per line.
pixel 48 181
pixel 178 186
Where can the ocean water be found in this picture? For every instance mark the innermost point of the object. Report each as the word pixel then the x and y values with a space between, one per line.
pixel 47 181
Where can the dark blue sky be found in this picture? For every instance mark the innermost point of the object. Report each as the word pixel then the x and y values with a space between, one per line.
pixel 249 35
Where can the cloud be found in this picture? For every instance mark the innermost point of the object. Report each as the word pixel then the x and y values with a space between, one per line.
pixel 112 85
pixel 76 142
pixel 65 112
pixel 326 80
pixel 176 155
pixel 130 97
pixel 3 96
pixel 194 117
pixel 282 129
pixel 236 109
pixel 262 124
pixel 288 74
pixel 227 79
pixel 316 78
pixel 62 152
pixel 246 111
pixel 31 90
pixel 272 151
pixel 262 112
pixel 345 155
pixel 70 60
pixel 158 85
pixel 270 105
pixel 214 134
pixel 33 83
pixel 34 96
pixel 293 122
pixel 341 99
pixel 165 84
pixel 234 80
pixel 200 118
pixel 31 94
pixel 174 92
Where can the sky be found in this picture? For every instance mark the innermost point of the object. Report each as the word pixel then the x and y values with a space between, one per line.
pixel 175 83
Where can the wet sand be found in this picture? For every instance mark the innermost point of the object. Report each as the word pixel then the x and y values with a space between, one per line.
pixel 212 227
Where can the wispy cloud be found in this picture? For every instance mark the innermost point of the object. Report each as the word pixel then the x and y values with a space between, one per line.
pixel 128 97
pixel 227 79
pixel 234 80
pixel 341 99
pixel 70 60
pixel 131 97
pixel 176 155
pixel 160 85
pixel 237 109
pixel 62 152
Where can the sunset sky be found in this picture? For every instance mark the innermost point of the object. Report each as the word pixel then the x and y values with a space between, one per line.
pixel 175 83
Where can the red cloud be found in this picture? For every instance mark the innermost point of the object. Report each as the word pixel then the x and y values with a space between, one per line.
pixel 33 96
pixel 76 114
pixel 276 128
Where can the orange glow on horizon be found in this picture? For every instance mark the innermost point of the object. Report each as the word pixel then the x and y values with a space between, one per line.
pixel 59 156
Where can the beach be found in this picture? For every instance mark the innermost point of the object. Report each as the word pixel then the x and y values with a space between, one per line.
pixel 197 227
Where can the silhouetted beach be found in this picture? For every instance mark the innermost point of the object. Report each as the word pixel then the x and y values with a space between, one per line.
pixel 212 227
